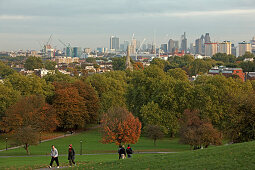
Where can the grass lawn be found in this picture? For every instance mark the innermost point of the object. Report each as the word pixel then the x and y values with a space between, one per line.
pixel 90 144
pixel 11 143
pixel 237 156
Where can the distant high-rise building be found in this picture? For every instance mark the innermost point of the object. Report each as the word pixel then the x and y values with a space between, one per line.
pixel 192 48
pixel 176 45
pixel 77 52
pixel 184 43
pixel 114 43
pixel 126 43
pixel 198 44
pixel 233 49
pixel 164 47
pixel 202 38
pixel 207 38
pixel 253 45
pixel 211 49
pixel 133 47
pixel 172 46
pixel 87 50
pixel 244 47
pixel 225 47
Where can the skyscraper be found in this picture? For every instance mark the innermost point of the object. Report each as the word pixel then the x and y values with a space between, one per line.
pixel 233 49
pixel 164 47
pixel 77 52
pixel 225 47
pixel 133 46
pixel 207 38
pixel 114 43
pixel 211 49
pixel 198 44
pixel 172 45
pixel 253 45
pixel 244 47
pixel 184 43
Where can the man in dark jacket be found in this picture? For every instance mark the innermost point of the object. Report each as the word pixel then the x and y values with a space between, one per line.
pixel 119 151
pixel 123 152
pixel 129 151
pixel 71 155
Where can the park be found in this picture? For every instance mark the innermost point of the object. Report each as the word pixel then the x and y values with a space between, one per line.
pixel 167 154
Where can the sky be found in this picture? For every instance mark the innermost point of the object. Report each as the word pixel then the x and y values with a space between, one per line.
pixel 28 24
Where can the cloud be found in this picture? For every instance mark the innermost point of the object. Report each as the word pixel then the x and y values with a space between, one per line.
pixel 15 17
pixel 210 13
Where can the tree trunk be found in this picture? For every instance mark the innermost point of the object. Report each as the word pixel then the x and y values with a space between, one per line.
pixel 154 142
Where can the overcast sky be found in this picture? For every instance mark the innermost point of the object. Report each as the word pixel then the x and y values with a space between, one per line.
pixel 25 24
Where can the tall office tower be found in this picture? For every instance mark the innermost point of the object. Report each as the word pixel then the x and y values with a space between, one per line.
pixel 233 49
pixel 198 44
pixel 68 52
pixel 244 47
pixel 164 47
pixel 184 43
pixel 211 49
pixel 202 38
pixel 192 48
pixel 122 47
pixel 77 52
pixel 170 45
pixel 133 47
pixel 207 38
pixel 253 45
pixel 126 43
pixel 176 45
pixel 114 43
pixel 225 47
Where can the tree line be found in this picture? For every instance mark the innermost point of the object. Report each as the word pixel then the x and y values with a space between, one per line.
pixel 161 96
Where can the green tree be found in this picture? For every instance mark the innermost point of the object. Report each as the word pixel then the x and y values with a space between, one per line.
pixel 50 65
pixel 199 66
pixel 33 63
pixel 119 63
pixel 154 132
pixel 5 70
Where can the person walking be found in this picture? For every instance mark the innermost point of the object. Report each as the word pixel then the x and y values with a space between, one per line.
pixel 119 151
pixel 71 155
pixel 54 156
pixel 123 152
pixel 129 151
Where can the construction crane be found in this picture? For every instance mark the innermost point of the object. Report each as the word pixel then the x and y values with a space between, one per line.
pixel 67 47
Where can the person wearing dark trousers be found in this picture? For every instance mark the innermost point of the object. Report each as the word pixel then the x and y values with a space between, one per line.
pixel 54 156
pixel 71 155
pixel 129 151
pixel 123 152
pixel 119 151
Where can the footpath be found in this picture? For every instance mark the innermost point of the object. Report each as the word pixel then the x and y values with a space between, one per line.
pixel 62 136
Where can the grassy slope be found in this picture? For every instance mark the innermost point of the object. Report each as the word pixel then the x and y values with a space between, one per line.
pixel 91 144
pixel 237 156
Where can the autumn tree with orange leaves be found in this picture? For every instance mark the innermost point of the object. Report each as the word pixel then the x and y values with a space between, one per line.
pixel 30 111
pixel 70 107
pixel 27 118
pixel 119 126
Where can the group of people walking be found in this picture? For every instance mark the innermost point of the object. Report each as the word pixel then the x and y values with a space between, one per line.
pixel 71 154
pixel 125 152
pixel 54 156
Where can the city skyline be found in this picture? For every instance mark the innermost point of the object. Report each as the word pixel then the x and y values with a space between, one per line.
pixel 26 24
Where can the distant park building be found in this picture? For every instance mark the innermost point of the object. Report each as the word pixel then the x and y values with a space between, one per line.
pixel 211 49
pixel 244 47
pixel 225 47
pixel 114 43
